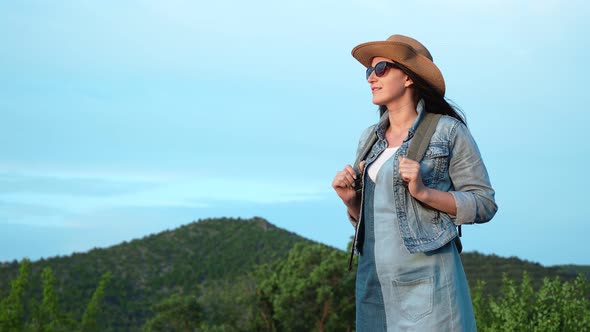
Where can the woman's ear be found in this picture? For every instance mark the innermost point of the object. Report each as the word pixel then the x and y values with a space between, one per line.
pixel 408 82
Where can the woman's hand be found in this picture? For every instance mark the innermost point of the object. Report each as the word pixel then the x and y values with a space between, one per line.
pixel 409 171
pixel 443 201
pixel 343 184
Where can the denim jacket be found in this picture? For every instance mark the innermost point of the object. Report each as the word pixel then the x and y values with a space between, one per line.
pixel 451 163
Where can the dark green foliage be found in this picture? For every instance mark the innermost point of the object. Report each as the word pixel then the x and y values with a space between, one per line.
pixel 91 315
pixel 12 308
pixel 556 306
pixel 227 303
pixel 225 275
pixel 49 313
pixel 574 269
pixel 19 312
pixel 221 305
pixel 48 317
pixel 149 270
pixel 310 291
pixel 177 313
pixel 491 268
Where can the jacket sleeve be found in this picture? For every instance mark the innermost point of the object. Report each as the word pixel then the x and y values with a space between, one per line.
pixel 472 190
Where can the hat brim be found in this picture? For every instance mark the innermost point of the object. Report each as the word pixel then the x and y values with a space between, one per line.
pixel 405 55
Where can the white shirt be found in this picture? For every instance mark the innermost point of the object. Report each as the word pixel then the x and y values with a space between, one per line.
pixel 376 165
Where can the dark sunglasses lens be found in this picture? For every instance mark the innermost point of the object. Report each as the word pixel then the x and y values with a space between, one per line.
pixel 380 68
pixel 369 71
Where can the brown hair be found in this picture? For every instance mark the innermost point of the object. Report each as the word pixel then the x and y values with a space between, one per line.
pixel 434 102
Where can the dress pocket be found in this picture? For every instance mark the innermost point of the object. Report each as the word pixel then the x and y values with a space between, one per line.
pixel 416 297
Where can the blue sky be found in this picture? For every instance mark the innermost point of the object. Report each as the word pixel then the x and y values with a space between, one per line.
pixel 125 118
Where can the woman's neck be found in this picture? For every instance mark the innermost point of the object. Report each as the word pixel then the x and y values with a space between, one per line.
pixel 402 115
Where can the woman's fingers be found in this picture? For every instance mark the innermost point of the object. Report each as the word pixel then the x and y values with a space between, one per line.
pixel 348 169
pixel 343 184
pixel 409 169
pixel 344 178
pixel 348 179
pixel 362 166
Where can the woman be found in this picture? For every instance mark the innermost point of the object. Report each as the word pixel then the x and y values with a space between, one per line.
pixel 409 274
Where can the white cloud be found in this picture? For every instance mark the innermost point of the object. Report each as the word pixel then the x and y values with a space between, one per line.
pixel 51 199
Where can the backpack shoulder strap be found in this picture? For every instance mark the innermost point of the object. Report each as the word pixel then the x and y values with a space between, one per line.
pixel 422 136
pixel 418 147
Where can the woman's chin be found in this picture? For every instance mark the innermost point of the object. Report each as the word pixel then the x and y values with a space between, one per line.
pixel 378 102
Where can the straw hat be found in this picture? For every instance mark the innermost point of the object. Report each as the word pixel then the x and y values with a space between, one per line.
pixel 406 51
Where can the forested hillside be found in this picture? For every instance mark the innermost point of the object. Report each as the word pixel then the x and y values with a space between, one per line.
pixel 491 268
pixel 148 270
pixel 222 272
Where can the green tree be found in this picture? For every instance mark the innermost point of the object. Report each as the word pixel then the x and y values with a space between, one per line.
pixel 557 306
pixel 12 308
pixel 176 313
pixel 90 316
pixel 480 304
pixel 511 311
pixel 562 306
pixel 49 313
pixel 310 291
pixel 223 304
pixel 47 317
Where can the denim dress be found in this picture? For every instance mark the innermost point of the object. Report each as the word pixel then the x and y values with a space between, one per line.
pixel 400 291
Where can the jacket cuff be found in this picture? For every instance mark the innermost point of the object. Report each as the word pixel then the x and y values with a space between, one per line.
pixel 466 207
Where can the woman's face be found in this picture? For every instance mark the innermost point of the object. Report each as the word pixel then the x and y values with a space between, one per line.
pixel 391 86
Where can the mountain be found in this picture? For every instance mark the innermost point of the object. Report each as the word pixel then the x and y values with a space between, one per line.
pixel 148 270
pixel 574 269
pixel 491 268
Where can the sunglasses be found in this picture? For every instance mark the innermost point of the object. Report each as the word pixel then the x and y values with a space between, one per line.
pixel 380 68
